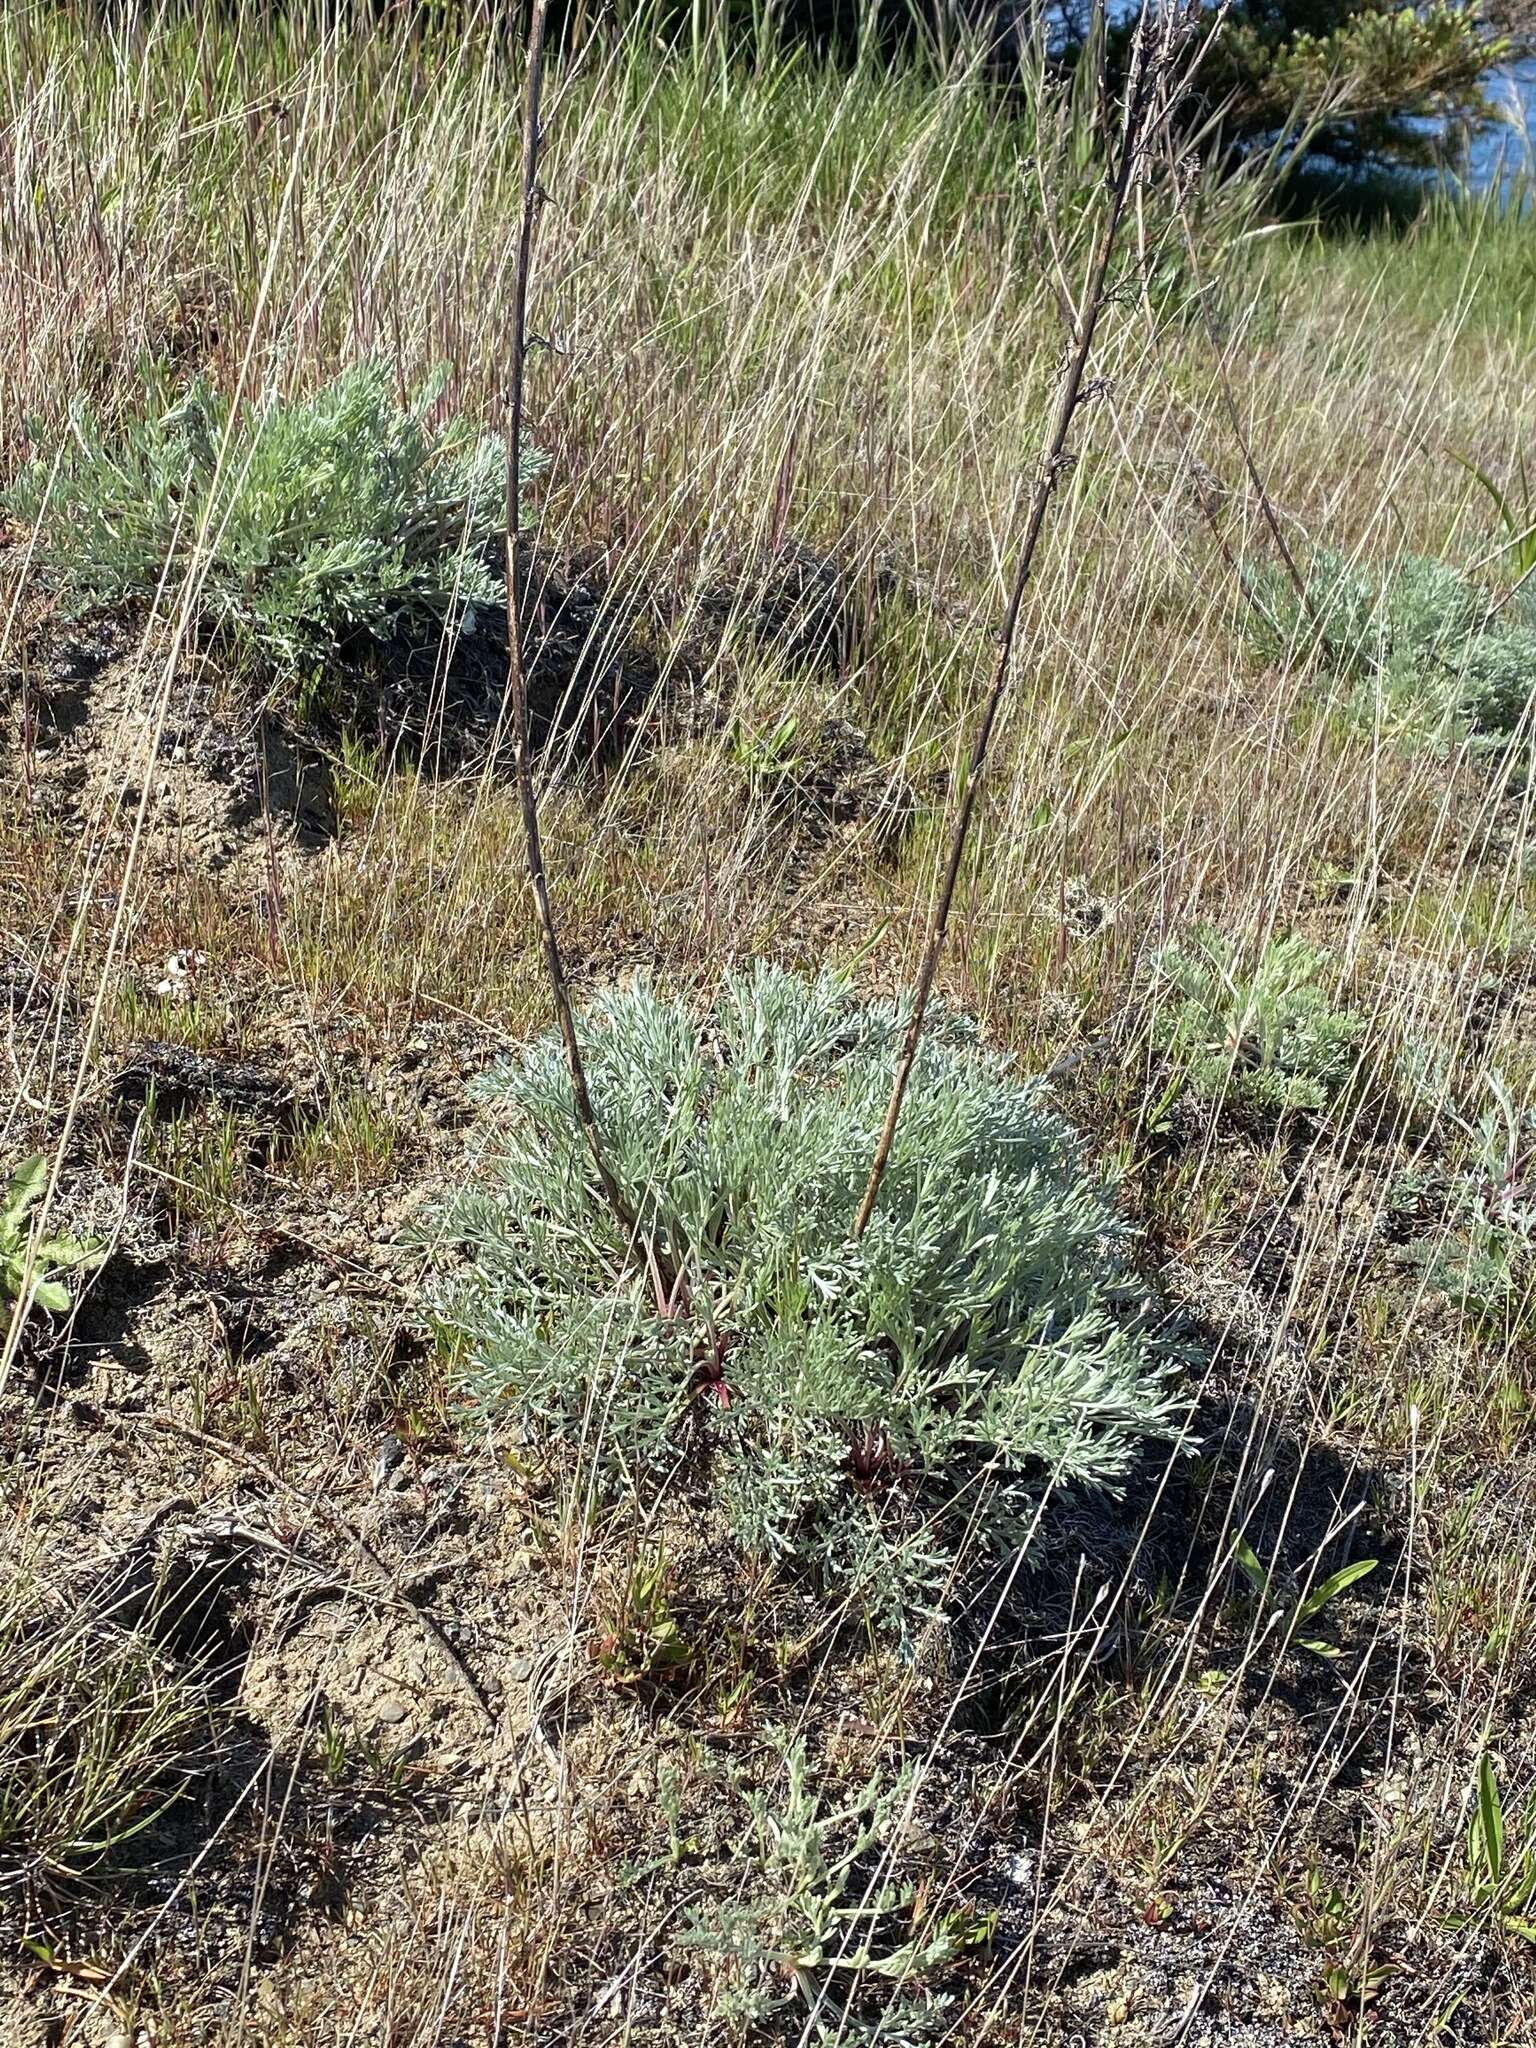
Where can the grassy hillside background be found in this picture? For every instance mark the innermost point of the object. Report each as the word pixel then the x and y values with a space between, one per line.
pixel 334 1708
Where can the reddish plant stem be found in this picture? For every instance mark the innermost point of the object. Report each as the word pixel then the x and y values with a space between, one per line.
pixel 517 677
pixel 1139 96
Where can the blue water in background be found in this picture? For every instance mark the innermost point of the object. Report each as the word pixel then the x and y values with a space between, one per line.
pixel 1505 152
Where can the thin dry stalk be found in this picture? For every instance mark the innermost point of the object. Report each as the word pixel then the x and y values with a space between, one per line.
pixel 1234 419
pixel 517 678
pixel 1149 65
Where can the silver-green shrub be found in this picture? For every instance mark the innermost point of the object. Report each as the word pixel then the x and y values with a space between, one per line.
pixel 1259 1034
pixel 307 525
pixel 854 1408
pixel 1417 648
pixel 823 1922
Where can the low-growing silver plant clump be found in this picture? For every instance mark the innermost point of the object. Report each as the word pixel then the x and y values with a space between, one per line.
pixel 1419 650
pixel 858 1408
pixel 815 1925
pixel 1257 1031
pixel 306 524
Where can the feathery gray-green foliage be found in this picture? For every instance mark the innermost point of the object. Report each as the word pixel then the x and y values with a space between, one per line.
pixel 1481 1250
pixel 1417 647
pixel 856 1407
pixel 1263 1037
pixel 823 1920
pixel 307 526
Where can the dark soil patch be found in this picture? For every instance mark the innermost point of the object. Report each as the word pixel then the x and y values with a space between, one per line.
pixel 594 678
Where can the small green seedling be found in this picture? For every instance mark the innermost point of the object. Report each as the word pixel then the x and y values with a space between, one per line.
pixel 643 1639
pixel 1503 1884
pixel 1289 1613
pixel 768 756
pixel 33 1273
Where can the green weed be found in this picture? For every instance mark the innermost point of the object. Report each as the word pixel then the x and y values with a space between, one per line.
pixel 1287 1610
pixel 34 1270
pixel 1501 1877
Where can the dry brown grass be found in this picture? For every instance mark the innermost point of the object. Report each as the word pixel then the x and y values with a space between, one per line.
pixel 793 308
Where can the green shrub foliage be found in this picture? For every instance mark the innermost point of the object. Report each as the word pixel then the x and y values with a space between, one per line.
pixel 306 526
pixel 1417 648
pixel 1479 1247
pixel 854 1407
pixel 1262 1037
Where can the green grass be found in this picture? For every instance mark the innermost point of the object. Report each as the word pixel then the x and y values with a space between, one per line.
pixel 100 1734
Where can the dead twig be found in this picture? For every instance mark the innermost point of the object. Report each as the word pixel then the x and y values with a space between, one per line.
pixel 517 678
pixel 1234 419
pixel 1149 66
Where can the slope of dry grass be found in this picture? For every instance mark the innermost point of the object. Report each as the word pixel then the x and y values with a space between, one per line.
pixel 483 1769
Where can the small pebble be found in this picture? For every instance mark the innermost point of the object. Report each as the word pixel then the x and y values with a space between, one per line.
pixel 387 1457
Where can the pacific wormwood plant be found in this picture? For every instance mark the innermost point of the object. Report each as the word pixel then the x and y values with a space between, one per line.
pixel 306 527
pixel 1260 1034
pixel 822 1917
pixel 858 1407
pixel 1416 649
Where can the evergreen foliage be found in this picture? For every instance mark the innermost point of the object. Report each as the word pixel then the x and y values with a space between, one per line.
pixel 855 1407
pixel 1368 81
pixel 1265 1039
pixel 1355 84
pixel 306 526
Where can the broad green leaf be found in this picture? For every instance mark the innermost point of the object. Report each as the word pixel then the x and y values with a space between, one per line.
pixel 1336 1582
pixel 26 1186
pixel 68 1254
pixel 1248 1564
pixel 1487 1843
